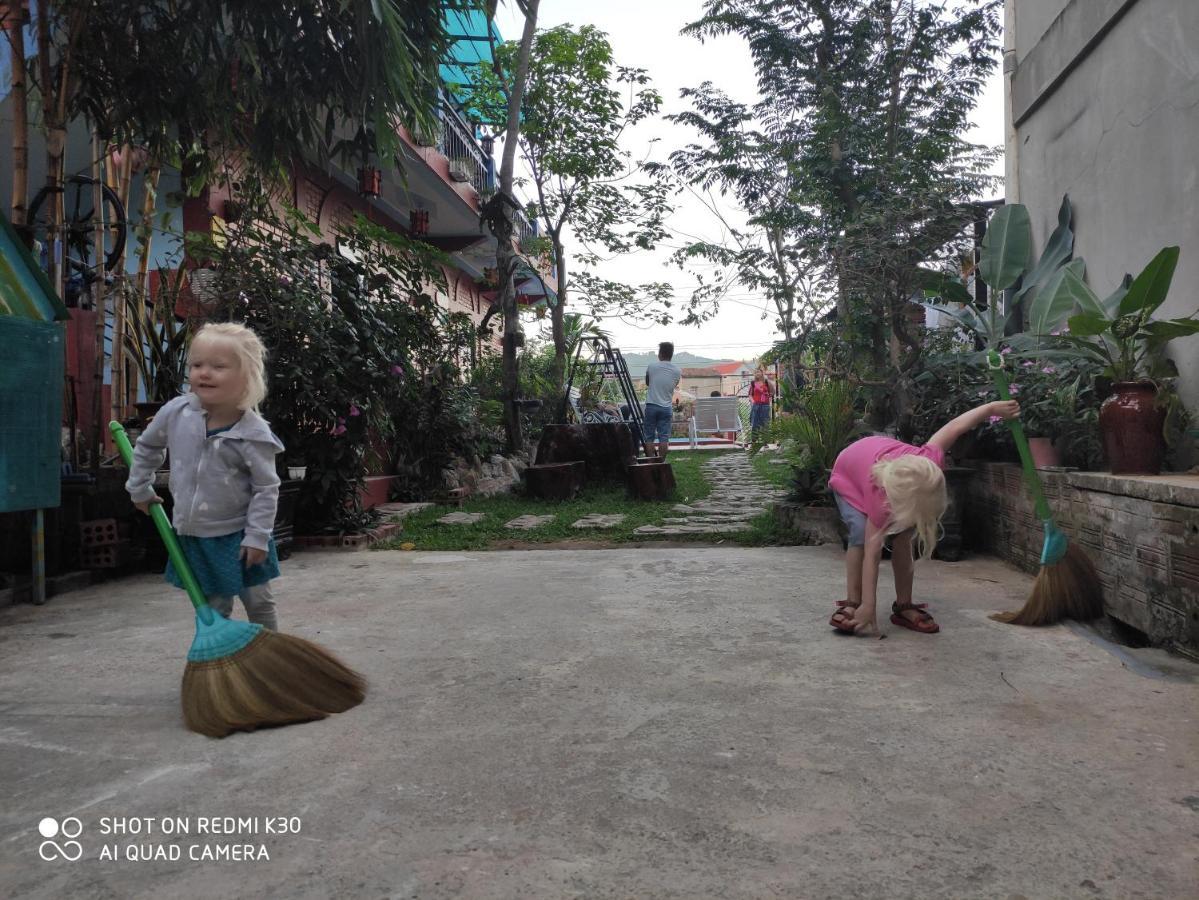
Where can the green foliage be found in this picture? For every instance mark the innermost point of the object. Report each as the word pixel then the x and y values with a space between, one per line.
pixel 573 116
pixel 156 340
pixel 277 81
pixel 824 424
pixel 358 353
pixel 1120 332
pixel 867 103
pixel 1007 247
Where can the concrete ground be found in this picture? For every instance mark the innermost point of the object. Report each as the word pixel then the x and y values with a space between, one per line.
pixel 617 723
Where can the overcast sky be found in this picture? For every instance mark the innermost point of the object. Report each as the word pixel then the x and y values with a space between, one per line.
pixel 645 33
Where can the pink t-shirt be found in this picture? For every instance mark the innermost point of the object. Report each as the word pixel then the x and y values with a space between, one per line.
pixel 851 473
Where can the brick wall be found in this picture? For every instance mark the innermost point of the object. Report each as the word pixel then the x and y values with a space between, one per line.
pixel 1142 534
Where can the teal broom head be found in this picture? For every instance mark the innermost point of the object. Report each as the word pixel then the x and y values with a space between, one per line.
pixel 1055 544
pixel 218 637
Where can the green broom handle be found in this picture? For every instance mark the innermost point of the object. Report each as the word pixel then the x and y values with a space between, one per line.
pixel 165 531
pixel 995 362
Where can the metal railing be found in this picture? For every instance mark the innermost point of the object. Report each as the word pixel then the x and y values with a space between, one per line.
pixel 457 143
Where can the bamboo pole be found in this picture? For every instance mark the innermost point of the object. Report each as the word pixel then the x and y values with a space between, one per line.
pixel 120 181
pixel 98 299
pixel 13 16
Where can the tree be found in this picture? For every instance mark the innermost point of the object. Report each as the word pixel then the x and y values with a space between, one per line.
pixel 875 95
pixel 774 254
pixel 497 214
pixel 193 79
pixel 573 118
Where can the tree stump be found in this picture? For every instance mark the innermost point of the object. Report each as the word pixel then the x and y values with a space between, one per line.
pixel 651 480
pixel 606 447
pixel 555 481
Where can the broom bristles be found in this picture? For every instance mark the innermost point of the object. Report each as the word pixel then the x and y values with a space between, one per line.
pixel 1067 589
pixel 276 679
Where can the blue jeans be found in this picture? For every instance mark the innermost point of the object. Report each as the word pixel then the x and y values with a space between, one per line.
pixel 657 423
pixel 854 519
pixel 759 416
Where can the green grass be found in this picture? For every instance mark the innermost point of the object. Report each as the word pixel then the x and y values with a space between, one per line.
pixel 423 531
pixel 775 474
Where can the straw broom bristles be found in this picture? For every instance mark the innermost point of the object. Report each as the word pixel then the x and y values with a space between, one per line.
pixel 1067 589
pixel 276 679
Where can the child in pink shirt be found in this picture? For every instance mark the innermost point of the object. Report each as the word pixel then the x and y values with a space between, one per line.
pixel 886 487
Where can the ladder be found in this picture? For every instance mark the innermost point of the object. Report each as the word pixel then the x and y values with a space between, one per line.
pixel 605 362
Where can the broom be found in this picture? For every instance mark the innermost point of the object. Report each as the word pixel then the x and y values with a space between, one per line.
pixel 1067 586
pixel 241 676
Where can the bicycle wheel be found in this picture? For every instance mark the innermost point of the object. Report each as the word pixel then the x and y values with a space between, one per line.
pixel 80 221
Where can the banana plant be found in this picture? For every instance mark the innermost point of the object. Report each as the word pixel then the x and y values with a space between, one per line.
pixel 1004 264
pixel 1120 332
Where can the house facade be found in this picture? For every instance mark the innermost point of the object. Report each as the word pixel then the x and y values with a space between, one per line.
pixel 1101 104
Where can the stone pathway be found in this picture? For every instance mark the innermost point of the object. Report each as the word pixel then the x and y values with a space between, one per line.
pixel 460 518
pixel 397 512
pixel 738 495
pixel 528 523
pixel 599 520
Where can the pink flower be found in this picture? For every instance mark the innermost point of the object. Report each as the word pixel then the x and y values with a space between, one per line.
pixel 397 370
pixel 1014 389
pixel 994 419
pixel 339 430
pixel 1049 370
pixel 983 393
pixel 354 410
pixel 1006 350
pixel 1028 364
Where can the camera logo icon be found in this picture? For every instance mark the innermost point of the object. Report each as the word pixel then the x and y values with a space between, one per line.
pixel 69 828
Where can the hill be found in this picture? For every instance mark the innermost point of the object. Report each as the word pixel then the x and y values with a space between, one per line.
pixel 638 361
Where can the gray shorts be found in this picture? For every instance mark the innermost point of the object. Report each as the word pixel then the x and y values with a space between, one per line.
pixel 854 519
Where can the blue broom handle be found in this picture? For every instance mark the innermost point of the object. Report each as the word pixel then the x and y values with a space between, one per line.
pixel 165 531
pixel 995 363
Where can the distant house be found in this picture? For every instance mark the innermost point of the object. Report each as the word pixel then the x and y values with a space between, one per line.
pixel 700 382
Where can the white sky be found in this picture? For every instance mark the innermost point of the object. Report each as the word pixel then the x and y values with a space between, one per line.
pixel 645 33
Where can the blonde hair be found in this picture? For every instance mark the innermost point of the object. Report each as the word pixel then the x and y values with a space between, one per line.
pixel 250 352
pixel 915 489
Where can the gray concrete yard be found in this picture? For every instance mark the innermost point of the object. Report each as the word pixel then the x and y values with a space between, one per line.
pixel 612 723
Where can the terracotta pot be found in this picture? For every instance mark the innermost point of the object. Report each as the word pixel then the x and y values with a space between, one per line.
pixel 1044 454
pixel 1130 422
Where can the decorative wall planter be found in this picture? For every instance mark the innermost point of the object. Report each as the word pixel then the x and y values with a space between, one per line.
pixel 1130 422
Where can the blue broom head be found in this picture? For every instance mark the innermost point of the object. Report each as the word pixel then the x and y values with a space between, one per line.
pixel 1055 544
pixel 218 637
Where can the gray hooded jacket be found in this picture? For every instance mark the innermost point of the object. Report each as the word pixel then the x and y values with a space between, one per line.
pixel 220 484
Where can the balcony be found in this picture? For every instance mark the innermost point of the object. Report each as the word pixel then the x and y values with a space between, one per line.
pixel 469 163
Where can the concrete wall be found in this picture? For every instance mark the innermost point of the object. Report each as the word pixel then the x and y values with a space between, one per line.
pixel 1105 104
pixel 1141 533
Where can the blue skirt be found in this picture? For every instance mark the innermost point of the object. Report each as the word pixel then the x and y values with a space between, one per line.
pixel 216 563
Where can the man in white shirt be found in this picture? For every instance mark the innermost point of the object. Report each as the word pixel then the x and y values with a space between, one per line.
pixel 661 377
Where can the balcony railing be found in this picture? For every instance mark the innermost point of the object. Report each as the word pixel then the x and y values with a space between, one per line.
pixel 457 143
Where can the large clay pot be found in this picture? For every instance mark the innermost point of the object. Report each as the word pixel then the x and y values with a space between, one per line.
pixel 1130 422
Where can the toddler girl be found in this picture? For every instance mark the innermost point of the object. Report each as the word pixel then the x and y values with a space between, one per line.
pixel 886 487
pixel 223 477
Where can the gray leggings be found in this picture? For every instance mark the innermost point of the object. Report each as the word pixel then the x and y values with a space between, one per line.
pixel 259 602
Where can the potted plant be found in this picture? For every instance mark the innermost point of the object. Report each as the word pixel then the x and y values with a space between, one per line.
pixel 1121 334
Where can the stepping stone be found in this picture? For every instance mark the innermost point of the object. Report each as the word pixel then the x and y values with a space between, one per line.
pixel 394 512
pixel 528 523
pixel 460 518
pixel 599 520
pixel 683 508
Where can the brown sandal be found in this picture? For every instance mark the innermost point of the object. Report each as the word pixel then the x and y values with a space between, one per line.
pixel 841 617
pixel 926 624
